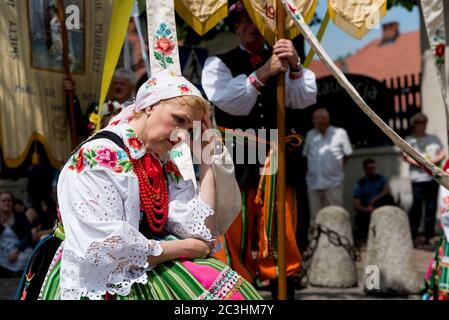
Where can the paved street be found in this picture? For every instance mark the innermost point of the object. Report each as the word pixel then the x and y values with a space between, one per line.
pixel 8 285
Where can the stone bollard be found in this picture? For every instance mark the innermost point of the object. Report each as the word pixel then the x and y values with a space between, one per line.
pixel 332 265
pixel 390 261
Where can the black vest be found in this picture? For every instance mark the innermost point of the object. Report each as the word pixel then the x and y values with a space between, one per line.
pixel 262 116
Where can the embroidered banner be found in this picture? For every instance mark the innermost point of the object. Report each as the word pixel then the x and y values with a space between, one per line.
pixel 162 37
pixel 32 100
pixel 202 15
pixel 263 14
pixel 433 13
pixel 357 17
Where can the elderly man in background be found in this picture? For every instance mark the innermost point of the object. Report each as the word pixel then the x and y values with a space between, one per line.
pixel 122 89
pixel 327 149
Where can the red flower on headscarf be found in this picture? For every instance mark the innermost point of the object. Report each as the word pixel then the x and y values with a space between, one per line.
pixel 184 89
pixel 134 143
pixel 439 50
pixel 80 161
pixel 165 46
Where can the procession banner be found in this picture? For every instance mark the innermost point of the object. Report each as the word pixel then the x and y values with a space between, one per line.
pixel 162 36
pixel 32 102
pixel 202 15
pixel 357 17
pixel 440 176
pixel 433 13
pixel 263 14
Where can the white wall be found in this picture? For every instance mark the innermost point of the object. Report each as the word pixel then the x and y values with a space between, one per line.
pixel 390 163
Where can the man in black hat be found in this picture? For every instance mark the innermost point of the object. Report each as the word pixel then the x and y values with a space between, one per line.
pixel 241 83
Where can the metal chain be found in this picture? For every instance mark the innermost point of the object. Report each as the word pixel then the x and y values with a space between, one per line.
pixel 334 238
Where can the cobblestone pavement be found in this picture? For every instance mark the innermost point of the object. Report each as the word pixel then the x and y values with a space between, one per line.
pixel 422 258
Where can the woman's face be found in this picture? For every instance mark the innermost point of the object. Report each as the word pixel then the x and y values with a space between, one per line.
pixel 165 120
pixel 6 202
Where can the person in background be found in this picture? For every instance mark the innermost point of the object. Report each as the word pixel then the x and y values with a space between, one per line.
pixel 42 220
pixel 19 206
pixel 15 237
pixel 425 189
pixel 123 89
pixel 327 149
pixel 370 192
pixel 109 110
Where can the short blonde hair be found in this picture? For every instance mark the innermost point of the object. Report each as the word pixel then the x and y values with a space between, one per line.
pixel 191 101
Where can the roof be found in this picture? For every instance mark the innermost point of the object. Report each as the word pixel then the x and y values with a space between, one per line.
pixel 381 61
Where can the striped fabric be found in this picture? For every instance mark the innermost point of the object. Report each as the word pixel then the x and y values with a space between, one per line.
pixel 172 281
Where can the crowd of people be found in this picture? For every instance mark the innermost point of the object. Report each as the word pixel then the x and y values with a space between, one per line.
pixel 21 228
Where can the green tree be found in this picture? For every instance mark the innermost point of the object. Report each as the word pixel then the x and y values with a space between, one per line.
pixel 408 4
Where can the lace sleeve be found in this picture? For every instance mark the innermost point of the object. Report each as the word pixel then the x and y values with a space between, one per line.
pixel 187 212
pixel 103 250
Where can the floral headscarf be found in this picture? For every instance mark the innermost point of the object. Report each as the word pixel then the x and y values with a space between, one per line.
pixel 162 86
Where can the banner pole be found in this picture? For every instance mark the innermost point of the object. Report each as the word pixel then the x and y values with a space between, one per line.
pixel 280 194
pixel 65 51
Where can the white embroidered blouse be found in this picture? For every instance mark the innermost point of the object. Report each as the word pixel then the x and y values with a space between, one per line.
pixel 100 210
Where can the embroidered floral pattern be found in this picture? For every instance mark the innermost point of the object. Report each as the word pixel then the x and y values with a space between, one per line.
pixel 133 142
pixel 111 158
pixel 438 47
pixel 172 170
pixel 184 89
pixel 150 83
pixel 293 10
pixel 164 46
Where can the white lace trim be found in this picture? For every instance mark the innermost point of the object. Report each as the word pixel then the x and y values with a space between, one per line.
pixel 194 224
pixel 112 266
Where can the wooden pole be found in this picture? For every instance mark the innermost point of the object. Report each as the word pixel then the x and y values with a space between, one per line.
pixel 65 52
pixel 280 194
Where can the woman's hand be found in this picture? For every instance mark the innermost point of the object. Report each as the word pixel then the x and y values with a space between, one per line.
pixel 207 137
pixel 13 255
pixel 195 248
pixel 180 249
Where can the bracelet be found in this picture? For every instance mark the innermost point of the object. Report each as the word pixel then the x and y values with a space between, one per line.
pixel 298 67
pixel 255 81
pixel 294 75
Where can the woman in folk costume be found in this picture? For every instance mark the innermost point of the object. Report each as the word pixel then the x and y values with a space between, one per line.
pixel 436 283
pixel 133 228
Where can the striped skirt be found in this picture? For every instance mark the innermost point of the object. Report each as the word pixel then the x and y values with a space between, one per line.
pixel 198 279
pixel 436 283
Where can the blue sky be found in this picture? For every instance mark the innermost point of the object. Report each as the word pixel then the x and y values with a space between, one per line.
pixel 338 43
